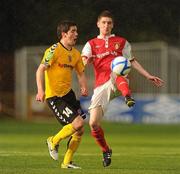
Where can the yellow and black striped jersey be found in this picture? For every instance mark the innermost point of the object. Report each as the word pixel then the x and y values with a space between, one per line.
pixel 60 63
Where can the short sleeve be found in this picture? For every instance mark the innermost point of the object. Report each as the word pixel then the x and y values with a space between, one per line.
pixel 86 51
pixel 126 52
pixel 49 56
pixel 79 67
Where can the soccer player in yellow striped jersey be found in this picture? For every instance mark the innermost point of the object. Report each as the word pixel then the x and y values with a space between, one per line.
pixel 56 66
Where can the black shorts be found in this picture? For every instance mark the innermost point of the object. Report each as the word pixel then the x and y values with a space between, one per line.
pixel 66 108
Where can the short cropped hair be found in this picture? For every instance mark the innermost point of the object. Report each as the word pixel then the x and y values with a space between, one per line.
pixel 64 26
pixel 105 13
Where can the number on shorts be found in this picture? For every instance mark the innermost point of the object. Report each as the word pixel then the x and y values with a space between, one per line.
pixel 67 112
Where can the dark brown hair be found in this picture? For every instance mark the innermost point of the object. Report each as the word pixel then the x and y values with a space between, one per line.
pixel 64 26
pixel 105 13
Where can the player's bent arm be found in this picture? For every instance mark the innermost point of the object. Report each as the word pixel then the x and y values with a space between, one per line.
pixel 40 82
pixel 83 83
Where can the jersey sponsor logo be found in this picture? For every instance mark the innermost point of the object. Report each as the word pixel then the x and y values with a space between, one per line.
pixel 107 53
pixel 65 66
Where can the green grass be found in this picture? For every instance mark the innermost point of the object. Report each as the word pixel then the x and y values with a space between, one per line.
pixel 137 149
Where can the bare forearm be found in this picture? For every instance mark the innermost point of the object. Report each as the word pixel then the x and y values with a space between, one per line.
pixel 83 84
pixel 40 83
pixel 136 65
pixel 155 80
pixel 82 80
pixel 40 80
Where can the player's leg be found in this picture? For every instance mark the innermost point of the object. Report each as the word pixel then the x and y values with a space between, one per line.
pixel 123 86
pixel 65 114
pixel 75 139
pixel 97 132
pixel 99 103
pixel 66 131
pixel 53 141
pixel 72 146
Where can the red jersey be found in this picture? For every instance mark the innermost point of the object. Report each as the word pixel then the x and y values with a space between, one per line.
pixel 103 51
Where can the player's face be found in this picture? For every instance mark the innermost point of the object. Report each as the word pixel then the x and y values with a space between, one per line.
pixel 105 25
pixel 71 36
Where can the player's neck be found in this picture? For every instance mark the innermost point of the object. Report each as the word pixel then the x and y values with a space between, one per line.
pixel 104 36
pixel 65 45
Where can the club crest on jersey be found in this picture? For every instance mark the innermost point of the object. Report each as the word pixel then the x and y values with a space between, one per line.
pixel 69 58
pixel 117 46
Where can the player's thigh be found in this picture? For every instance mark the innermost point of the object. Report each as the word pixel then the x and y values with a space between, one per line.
pixel 96 115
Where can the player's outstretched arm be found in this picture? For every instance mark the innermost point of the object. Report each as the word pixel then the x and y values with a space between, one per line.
pixel 155 80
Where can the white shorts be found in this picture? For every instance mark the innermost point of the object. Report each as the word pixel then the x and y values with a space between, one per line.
pixel 104 94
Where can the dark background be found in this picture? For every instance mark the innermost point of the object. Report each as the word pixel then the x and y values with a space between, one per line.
pixel 33 22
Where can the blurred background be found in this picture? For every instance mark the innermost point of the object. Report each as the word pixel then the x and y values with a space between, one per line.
pixel 27 28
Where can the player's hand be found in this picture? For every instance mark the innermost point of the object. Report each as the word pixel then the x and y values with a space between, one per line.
pixel 90 60
pixel 84 91
pixel 156 81
pixel 40 96
pixel 87 60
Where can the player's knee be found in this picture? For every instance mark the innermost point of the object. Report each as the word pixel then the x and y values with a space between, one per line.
pixel 93 125
pixel 80 132
pixel 78 123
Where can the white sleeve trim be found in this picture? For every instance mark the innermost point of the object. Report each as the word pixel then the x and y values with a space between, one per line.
pixel 87 51
pixel 126 52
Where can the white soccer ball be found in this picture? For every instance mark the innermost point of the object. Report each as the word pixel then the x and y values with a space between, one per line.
pixel 121 66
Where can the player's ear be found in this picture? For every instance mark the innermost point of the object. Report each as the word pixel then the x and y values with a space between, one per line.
pixel 97 24
pixel 63 34
pixel 112 25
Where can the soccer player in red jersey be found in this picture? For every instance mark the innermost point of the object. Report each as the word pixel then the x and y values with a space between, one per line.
pixel 100 51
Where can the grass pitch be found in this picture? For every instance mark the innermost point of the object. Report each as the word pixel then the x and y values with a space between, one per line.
pixel 137 149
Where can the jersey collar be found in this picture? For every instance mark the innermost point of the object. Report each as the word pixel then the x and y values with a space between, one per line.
pixel 64 46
